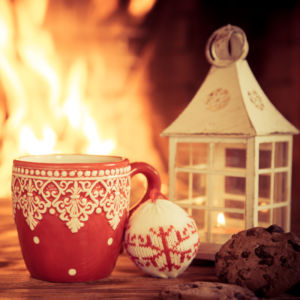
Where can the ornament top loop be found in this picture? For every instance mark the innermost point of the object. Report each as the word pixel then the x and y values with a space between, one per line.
pixel 154 194
pixel 226 45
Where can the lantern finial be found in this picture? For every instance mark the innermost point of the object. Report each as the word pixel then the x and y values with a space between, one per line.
pixel 226 45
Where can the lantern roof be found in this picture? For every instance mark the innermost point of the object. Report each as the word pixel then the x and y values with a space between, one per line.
pixel 230 102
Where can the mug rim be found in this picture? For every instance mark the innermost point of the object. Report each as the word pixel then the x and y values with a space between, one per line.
pixel 69 161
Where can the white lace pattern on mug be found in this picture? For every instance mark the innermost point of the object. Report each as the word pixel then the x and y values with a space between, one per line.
pixel 72 198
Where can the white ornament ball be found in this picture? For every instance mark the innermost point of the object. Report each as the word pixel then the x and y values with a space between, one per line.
pixel 161 238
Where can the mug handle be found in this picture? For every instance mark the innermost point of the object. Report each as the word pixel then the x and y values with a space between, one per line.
pixel 153 180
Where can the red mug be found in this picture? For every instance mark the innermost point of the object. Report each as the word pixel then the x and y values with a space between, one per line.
pixel 70 212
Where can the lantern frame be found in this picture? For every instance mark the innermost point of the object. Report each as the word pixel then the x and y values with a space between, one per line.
pixel 251 174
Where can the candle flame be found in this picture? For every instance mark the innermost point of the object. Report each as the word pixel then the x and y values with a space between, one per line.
pixel 221 220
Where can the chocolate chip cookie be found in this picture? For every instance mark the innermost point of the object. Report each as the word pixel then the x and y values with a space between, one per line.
pixel 206 291
pixel 267 261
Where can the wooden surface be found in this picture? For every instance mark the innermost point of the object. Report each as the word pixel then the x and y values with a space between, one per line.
pixel 126 281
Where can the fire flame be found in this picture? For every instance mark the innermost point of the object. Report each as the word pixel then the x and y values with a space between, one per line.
pixel 44 117
pixel 46 103
pixel 30 144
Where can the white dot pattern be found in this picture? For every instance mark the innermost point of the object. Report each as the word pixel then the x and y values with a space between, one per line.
pixel 79 173
pixel 72 272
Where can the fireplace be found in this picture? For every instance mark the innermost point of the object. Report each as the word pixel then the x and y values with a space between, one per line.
pixel 71 84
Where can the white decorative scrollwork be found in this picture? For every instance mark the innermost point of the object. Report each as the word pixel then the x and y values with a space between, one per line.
pixel 23 198
pixel 72 198
pixel 115 203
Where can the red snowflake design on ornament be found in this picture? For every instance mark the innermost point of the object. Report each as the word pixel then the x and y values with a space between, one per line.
pixel 163 248
pixel 217 99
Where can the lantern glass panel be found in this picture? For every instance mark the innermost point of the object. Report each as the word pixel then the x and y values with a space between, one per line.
pixel 280 187
pixel 281 154
pixel 235 158
pixel 264 218
pixel 264 189
pixel 220 238
pixel 234 204
pixel 280 217
pixel 198 188
pixel 182 186
pixel 191 188
pixel 235 221
pixel 230 156
pixel 193 155
pixel 265 155
pixel 229 191
pixel 183 154
pixel 223 227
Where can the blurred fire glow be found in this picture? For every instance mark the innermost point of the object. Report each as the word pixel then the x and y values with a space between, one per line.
pixel 139 8
pixel 44 105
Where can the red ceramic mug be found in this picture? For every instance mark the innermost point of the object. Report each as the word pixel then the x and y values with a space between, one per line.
pixel 70 212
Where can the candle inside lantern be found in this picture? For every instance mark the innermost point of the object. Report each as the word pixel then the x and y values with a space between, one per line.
pixel 221 220
pixel 221 233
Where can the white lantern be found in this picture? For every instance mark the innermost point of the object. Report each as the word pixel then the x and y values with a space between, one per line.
pixel 230 150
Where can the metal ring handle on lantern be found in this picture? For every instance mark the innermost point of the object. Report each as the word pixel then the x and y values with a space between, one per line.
pixel 226 45
pixel 153 180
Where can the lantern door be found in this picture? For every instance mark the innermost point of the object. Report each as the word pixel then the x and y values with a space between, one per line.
pixel 273 181
pixel 231 184
pixel 208 179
